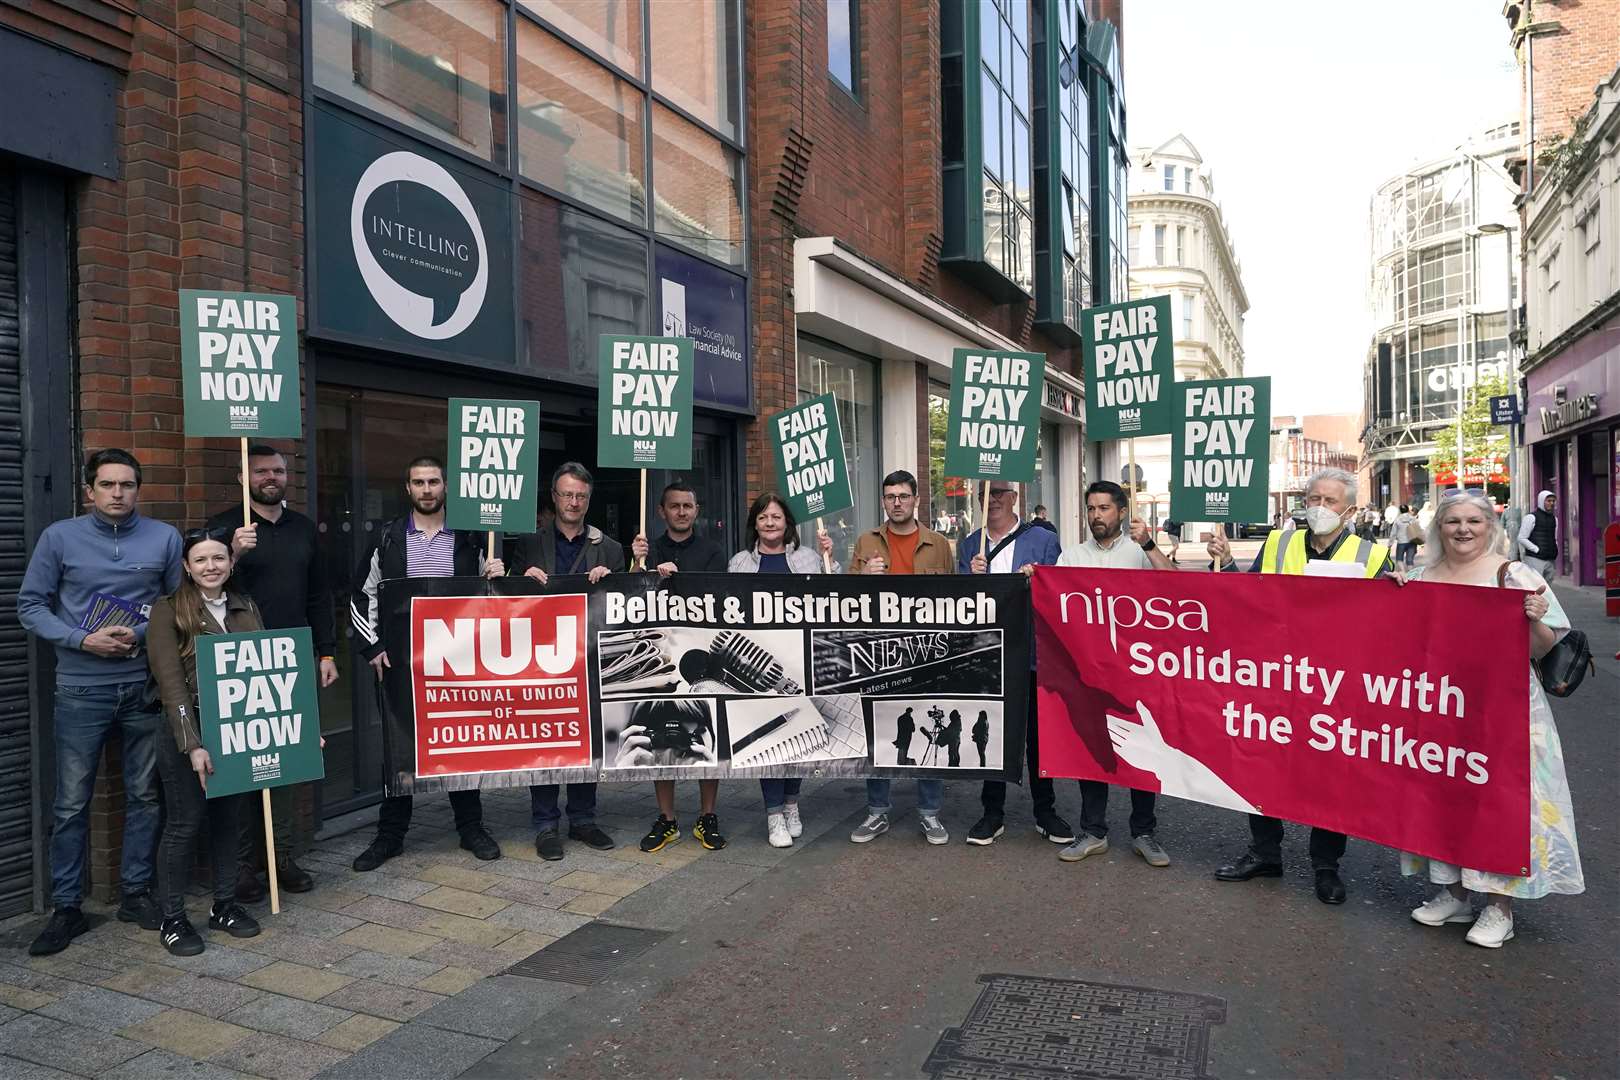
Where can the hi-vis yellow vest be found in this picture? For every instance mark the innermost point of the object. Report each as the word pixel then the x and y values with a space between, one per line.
pixel 1276 558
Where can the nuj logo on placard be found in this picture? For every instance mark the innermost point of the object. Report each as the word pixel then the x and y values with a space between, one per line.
pixel 245 417
pixel 1130 419
pixel 989 462
pixel 1217 501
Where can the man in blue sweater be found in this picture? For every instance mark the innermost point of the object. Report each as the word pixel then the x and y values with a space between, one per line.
pixel 89 585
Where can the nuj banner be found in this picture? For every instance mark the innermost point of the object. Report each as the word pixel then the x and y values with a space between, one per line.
pixel 239 364
pixel 1220 451
pixel 644 403
pixel 1129 356
pixel 494 465
pixel 1359 706
pixel 260 715
pixel 995 415
pixel 808 447
pixel 507 682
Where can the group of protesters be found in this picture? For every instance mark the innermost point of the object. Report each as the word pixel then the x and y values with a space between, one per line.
pixel 129 676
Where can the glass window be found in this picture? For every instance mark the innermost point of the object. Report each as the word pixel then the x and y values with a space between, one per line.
pixel 697 195
pixel 1181 245
pixel 1186 316
pixel 1009 209
pixel 695 60
pixel 1158 245
pixel 579 277
pixel 437 66
pixel 609 27
pixel 949 503
pixel 1169 178
pixel 842 41
pixel 579 126
pixel 1186 180
pixel 1136 244
pixel 852 380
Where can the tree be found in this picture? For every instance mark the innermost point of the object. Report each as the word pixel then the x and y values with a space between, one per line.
pixel 1482 442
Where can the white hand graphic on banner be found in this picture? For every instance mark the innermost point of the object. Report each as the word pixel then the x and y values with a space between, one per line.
pixel 1142 746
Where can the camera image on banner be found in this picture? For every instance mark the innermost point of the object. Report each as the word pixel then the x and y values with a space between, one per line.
pixel 499 683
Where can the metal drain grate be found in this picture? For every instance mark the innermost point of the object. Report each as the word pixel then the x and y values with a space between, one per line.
pixel 1026 1026
pixel 589 955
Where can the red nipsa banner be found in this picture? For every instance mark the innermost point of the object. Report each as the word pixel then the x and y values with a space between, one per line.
pixel 499 683
pixel 1395 714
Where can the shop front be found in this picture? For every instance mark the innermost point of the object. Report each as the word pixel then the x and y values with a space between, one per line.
pixel 476 218
pixel 1572 433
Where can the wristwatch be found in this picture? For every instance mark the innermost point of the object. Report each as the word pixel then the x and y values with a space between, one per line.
pixel 1148 545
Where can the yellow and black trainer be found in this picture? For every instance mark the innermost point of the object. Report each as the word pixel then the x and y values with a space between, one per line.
pixel 662 834
pixel 707 831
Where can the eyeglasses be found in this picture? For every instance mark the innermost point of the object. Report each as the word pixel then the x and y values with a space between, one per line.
pixel 197 536
pixel 902 497
pixel 571 496
pixel 1000 493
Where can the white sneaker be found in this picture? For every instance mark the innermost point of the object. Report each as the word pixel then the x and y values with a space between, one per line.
pixel 933 829
pixel 1444 908
pixel 1493 927
pixel 795 824
pixel 776 830
pixel 873 827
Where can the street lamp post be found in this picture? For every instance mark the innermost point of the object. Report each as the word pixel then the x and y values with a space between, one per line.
pixel 1491 228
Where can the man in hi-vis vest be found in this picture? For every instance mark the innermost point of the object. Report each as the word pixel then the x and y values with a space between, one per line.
pixel 1330 498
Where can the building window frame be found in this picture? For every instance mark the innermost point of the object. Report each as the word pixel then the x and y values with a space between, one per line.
pixel 1065 216
pixel 852 33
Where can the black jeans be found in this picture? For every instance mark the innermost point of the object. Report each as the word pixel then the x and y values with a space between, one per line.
pixel 994 795
pixel 1094 809
pixel 1266 834
pixel 185 807
pixel 395 816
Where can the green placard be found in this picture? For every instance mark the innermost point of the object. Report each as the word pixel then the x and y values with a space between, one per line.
pixel 1129 354
pixel 239 361
pixel 261 723
pixel 493 466
pixel 1220 451
pixel 811 471
pixel 995 415
pixel 644 403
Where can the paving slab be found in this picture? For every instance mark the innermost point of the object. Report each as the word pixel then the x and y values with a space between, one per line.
pixel 382 999
pixel 450 980
pixel 398 970
pixel 315 952
pixel 473 957
pixel 162 1065
pixel 414 1050
pixel 459 877
pixel 100 1008
pixel 488 933
pixel 498 1008
pixel 461 902
pixel 540 920
pixel 277 1057
pixel 189 1034
pixel 13 1068
pixel 200 993
pixel 357 1031
pixel 535 893
pixel 219 960
pixel 375 937
pixel 296 980
pixel 68 1047
pixel 293 1017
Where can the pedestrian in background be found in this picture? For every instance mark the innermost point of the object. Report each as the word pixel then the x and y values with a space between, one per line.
pixel 86 590
pixel 1463 550
pixel 1404 535
pixel 1538 536
pixel 277 563
pixel 201 606
pixel 771 546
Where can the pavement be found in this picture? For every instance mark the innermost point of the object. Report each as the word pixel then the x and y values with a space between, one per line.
pixel 831 959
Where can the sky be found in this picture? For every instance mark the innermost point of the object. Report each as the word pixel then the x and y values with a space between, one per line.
pixel 1301 110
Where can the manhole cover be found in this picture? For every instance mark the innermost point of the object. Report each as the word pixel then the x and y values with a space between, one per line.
pixel 1026 1026
pixel 589 955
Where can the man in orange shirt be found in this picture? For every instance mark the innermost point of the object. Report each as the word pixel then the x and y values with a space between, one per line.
pixel 901 545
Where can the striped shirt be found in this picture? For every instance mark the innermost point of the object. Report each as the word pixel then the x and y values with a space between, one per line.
pixel 426 556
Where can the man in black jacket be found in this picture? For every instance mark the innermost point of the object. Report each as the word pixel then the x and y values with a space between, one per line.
pixel 418 545
pixel 680 549
pixel 278 563
pixel 569 546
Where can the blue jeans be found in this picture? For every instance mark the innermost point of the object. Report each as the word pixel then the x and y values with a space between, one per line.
pixel 930 793
pixel 543 806
pixel 776 792
pixel 85 717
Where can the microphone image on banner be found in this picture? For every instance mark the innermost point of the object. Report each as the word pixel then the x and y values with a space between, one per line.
pixel 738 664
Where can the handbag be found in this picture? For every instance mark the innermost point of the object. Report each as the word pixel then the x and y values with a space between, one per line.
pixel 1566 664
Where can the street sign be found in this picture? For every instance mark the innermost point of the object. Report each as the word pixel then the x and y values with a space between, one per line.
pixel 1505 409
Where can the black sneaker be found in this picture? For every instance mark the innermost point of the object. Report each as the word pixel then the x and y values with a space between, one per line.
pixel 380 851
pixel 1055 829
pixel 985 831
pixel 592 836
pixel 249 889
pixel 707 831
pixel 66 924
pixel 179 937
pixel 289 876
pixel 663 833
pixel 140 908
pixel 548 845
pixel 232 918
pixel 476 839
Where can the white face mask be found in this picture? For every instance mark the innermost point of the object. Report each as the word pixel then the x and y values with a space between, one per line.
pixel 1321 520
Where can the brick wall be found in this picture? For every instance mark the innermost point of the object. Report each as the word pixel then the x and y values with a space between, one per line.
pixel 872 180
pixel 1570 61
pixel 210 195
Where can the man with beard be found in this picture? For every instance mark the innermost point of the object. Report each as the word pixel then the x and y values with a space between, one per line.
pixel 417 544
pixel 1330 497
pixel 278 563
pixel 1109 545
